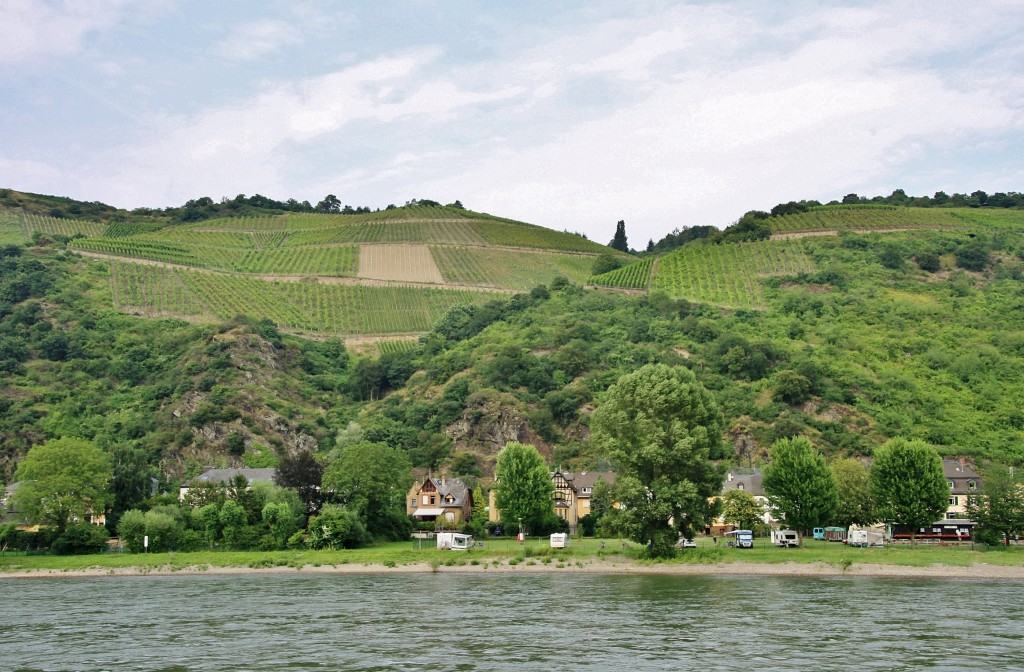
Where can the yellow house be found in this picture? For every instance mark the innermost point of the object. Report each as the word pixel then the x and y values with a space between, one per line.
pixel 571 497
pixel 447 501
pixel 964 484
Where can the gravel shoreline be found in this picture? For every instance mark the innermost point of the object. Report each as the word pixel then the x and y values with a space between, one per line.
pixel 589 566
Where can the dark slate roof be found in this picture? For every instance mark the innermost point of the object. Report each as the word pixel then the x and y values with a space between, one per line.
pixel 454 487
pixel 588 479
pixel 227 475
pixel 958 469
pixel 751 483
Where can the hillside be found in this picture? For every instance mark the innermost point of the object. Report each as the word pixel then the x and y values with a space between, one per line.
pixel 395 271
pixel 854 332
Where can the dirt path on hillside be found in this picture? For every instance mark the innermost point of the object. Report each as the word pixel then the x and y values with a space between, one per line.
pixel 792 235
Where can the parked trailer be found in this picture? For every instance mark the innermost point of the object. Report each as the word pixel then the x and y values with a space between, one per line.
pixel 785 538
pixel 559 540
pixel 454 541
pixel 865 538
pixel 835 533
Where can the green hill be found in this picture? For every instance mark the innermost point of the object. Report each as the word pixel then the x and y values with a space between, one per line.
pixel 849 338
pixel 392 271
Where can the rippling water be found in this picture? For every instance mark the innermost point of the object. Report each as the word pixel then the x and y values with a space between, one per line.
pixel 516 622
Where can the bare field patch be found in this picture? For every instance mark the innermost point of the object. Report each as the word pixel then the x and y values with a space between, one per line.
pixel 408 263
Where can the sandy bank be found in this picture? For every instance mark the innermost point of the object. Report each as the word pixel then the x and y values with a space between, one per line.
pixel 590 566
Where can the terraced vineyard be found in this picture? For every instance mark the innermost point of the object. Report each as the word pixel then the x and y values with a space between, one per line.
pixel 375 252
pixel 844 217
pixel 728 275
pixel 31 223
pixel 634 276
pixel 507 268
pixel 308 306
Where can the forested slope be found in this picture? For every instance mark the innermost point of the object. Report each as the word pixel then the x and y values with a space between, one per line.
pixel 916 333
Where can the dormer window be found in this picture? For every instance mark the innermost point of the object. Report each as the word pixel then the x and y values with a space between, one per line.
pixel 950 483
pixel 739 486
pixel 972 485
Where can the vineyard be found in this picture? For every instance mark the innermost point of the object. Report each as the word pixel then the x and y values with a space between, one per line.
pixel 845 217
pixel 634 276
pixel 528 235
pixel 505 268
pixel 306 306
pixel 31 223
pixel 728 275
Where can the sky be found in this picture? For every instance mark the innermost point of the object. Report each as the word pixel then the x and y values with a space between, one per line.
pixel 571 115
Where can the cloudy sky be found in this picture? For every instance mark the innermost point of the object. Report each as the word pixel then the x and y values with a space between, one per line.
pixel 571 115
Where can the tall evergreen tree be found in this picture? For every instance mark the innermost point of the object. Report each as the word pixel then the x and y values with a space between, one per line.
pixel 619 241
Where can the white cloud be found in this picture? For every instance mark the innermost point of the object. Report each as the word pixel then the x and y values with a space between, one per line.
pixel 255 39
pixel 34 28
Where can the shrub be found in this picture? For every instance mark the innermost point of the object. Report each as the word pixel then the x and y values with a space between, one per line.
pixel 80 539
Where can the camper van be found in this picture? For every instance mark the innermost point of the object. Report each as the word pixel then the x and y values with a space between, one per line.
pixel 559 540
pixel 741 538
pixel 454 541
pixel 785 538
pixel 865 538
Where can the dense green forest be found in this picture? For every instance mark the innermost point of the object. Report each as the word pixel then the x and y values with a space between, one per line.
pixel 917 333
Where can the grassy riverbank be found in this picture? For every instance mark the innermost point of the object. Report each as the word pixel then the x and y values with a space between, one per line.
pixel 588 555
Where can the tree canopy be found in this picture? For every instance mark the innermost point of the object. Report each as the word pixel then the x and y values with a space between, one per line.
pixel 523 487
pixel 661 429
pixel 800 485
pixel 908 485
pixel 853 486
pixel 372 479
pixel 64 480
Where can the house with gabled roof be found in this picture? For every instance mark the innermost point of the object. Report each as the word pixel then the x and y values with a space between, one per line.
pixel 573 492
pixel 447 501
pixel 227 476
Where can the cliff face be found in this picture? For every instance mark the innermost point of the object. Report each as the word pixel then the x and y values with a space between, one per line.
pixel 489 422
pixel 245 420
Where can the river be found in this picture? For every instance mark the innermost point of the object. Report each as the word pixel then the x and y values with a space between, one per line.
pixel 519 622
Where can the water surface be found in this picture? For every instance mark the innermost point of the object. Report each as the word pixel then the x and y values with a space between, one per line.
pixel 520 622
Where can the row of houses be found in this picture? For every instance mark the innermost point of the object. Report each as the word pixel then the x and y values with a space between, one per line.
pixel 437 498
pixel 963 481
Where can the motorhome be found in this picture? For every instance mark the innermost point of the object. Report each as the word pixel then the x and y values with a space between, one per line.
pixel 741 538
pixel 785 538
pixel 454 541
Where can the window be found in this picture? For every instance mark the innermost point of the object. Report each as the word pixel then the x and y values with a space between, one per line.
pixel 954 501
pixel 972 485
pixel 412 502
pixel 951 515
pixel 739 486
pixel 433 500
pixel 950 484
pixel 587 491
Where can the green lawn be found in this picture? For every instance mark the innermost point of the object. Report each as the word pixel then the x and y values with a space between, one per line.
pixel 509 552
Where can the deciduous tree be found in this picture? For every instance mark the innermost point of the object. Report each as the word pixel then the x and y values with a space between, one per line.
pixel 661 428
pixel 853 485
pixel 907 484
pixel 999 509
pixel 523 486
pixel 372 479
pixel 740 508
pixel 64 480
pixel 799 484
